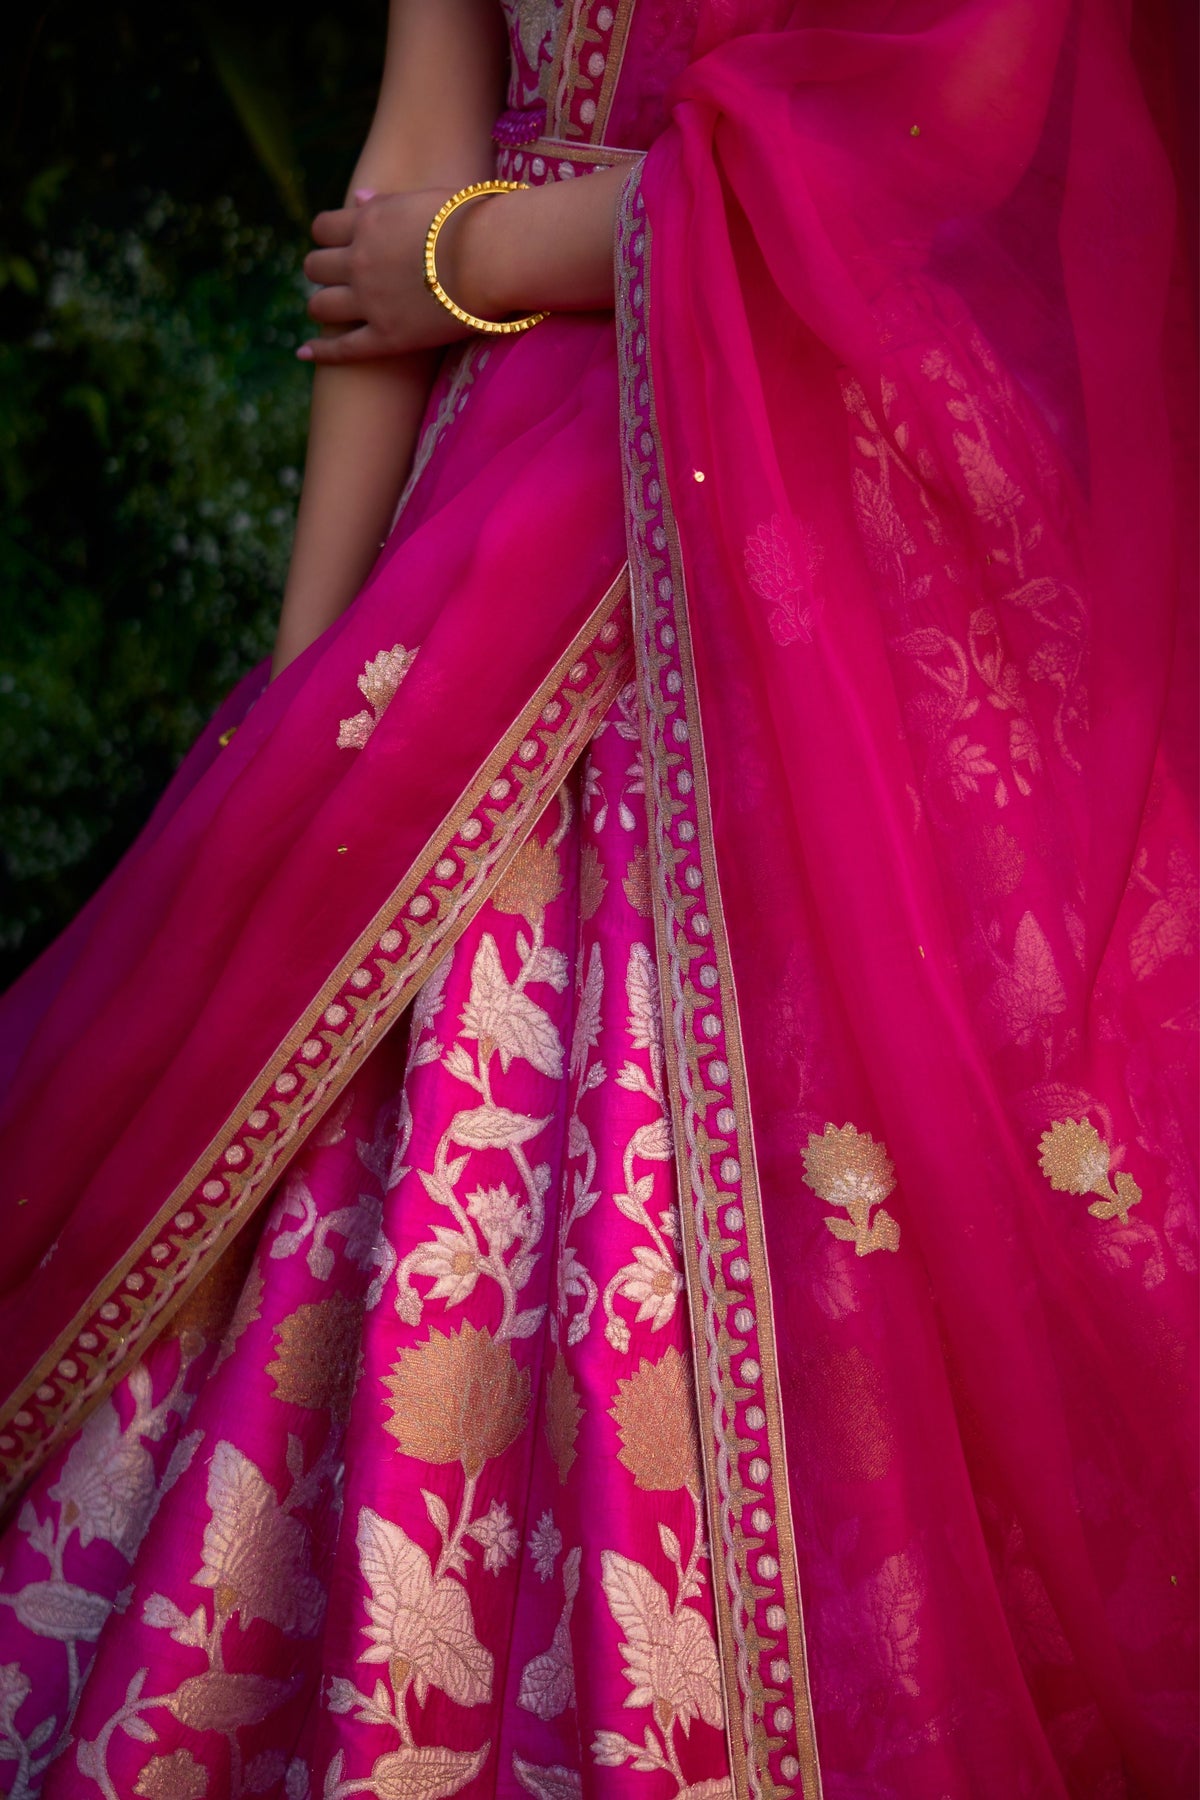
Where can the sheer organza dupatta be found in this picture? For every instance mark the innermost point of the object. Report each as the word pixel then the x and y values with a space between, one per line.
pixel 303 876
pixel 900 480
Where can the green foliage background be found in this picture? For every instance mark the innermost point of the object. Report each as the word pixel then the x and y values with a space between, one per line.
pixel 157 171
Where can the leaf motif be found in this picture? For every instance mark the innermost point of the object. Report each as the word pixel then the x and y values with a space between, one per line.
pixel 587 1013
pixel 1167 930
pixel 548 1782
pixel 548 1681
pixel 254 1548
pixel 427 1623
pixel 642 993
pixel 439 1512
pixel 494 1128
pixel 671 1661
pixel 504 1016
pixel 425 1773
pixel 1030 993
pixel 653 1141
pixel 59 1609
pixel 218 1701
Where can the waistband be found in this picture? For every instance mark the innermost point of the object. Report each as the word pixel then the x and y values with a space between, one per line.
pixel 559 159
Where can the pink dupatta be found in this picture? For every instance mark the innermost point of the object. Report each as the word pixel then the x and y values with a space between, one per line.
pixel 895 307
pixel 897 298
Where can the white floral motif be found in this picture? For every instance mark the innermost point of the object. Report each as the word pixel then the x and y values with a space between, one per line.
pixel 421 1621
pixel 545 1546
pixel 498 1535
pixel 548 1681
pixel 107 1489
pixel 670 1659
pixel 497 1228
pixel 772 573
pixel 651 1280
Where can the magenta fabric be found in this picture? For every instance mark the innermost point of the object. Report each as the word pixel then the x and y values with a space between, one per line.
pixel 397 1504
pixel 921 456
pixel 908 396
pixel 268 857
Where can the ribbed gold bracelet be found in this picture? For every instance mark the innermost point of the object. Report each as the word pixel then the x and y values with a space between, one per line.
pixel 497 327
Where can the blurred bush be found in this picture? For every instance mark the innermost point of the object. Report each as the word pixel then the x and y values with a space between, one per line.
pixel 157 169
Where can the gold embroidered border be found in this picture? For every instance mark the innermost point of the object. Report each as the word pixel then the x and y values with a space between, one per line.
pixel 761 1627
pixel 591 43
pixel 361 1000
pixel 557 159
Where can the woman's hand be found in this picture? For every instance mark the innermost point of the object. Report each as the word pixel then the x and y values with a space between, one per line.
pixel 371 274
pixel 547 248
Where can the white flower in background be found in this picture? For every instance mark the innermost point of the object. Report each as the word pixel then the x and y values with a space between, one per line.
pixel 498 1536
pixel 545 1545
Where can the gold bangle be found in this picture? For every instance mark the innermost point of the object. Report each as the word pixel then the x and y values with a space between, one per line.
pixel 497 327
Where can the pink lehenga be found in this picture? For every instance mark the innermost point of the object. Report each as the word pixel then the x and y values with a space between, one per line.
pixel 605 1203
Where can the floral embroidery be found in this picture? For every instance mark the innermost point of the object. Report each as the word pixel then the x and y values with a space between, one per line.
pixel 667 1646
pixel 175 1777
pixel 848 1168
pixel 545 1546
pixel 1169 926
pixel 317 1355
pixel 656 1423
pixel 548 1681
pixel 378 684
pixel 563 1416
pixel 108 1490
pixel 652 1280
pixel 772 573
pixel 459 1397
pixel 255 1559
pixel 1075 1160
pixel 1029 992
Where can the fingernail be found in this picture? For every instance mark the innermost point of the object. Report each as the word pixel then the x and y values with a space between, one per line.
pixel 305 353
pixel 364 194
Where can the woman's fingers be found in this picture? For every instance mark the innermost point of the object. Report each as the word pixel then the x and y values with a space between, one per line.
pixel 335 306
pixel 363 344
pixel 333 229
pixel 328 268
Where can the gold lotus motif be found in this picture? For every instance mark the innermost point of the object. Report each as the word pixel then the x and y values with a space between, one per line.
pixel 656 1423
pixel 459 1397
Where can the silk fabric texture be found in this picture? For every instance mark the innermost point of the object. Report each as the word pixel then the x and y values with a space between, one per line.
pixel 900 464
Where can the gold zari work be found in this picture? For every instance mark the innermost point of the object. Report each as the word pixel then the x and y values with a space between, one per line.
pixel 459 1397
pixel 849 1169
pixel 1075 1160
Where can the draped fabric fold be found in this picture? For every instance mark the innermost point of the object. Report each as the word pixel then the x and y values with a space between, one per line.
pixel 891 537
pixel 899 463
pixel 298 883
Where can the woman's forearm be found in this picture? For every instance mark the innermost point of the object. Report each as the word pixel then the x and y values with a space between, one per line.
pixel 440 91
pixel 362 429
pixel 548 248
